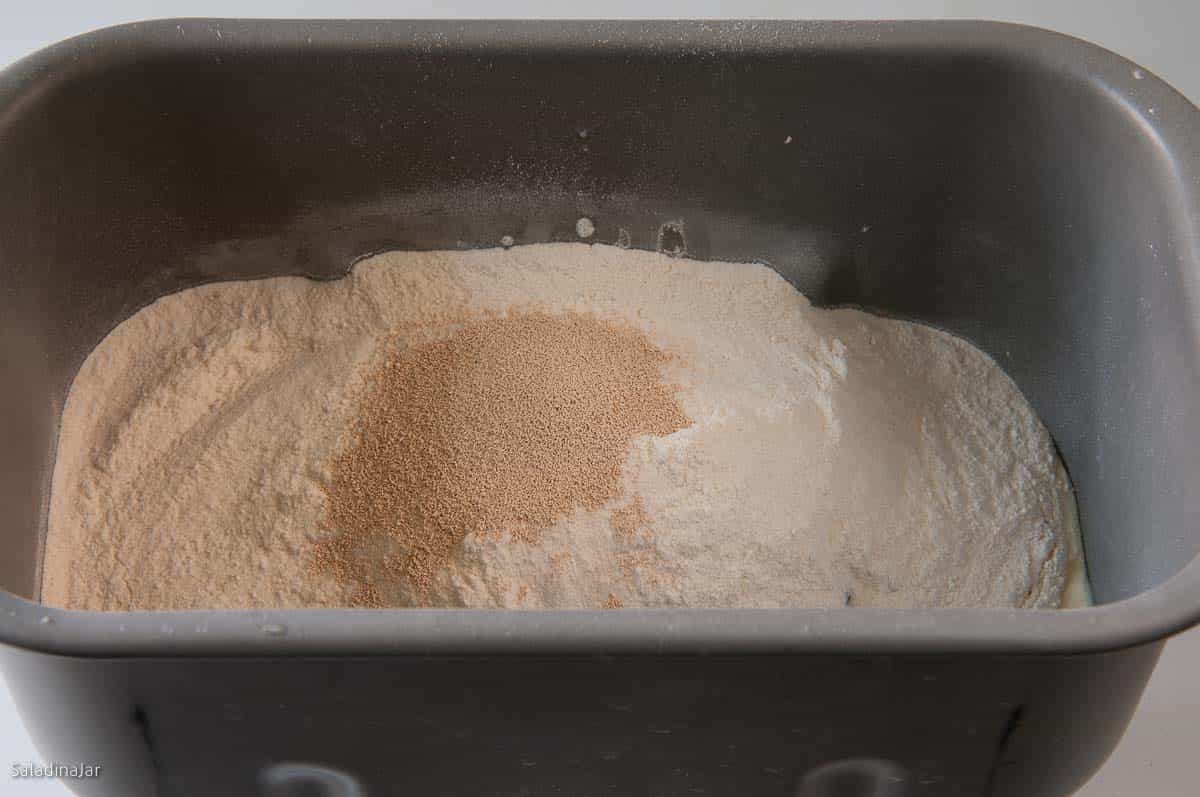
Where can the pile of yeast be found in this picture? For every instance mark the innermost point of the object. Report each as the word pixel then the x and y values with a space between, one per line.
pixel 549 426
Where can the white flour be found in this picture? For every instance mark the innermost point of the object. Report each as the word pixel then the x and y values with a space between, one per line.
pixel 836 458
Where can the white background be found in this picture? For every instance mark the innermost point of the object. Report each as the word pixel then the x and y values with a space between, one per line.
pixel 1156 757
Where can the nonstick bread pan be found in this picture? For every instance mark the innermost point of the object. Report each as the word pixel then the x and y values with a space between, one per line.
pixel 1031 192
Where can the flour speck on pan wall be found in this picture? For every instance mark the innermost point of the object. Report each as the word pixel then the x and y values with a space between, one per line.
pixel 818 458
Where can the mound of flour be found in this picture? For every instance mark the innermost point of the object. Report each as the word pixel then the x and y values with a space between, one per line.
pixel 822 457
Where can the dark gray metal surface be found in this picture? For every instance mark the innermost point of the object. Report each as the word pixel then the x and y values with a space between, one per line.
pixel 619 726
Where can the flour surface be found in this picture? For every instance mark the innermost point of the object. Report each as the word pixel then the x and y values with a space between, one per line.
pixel 833 457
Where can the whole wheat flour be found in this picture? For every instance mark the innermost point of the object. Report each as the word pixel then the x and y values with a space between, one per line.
pixel 549 426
